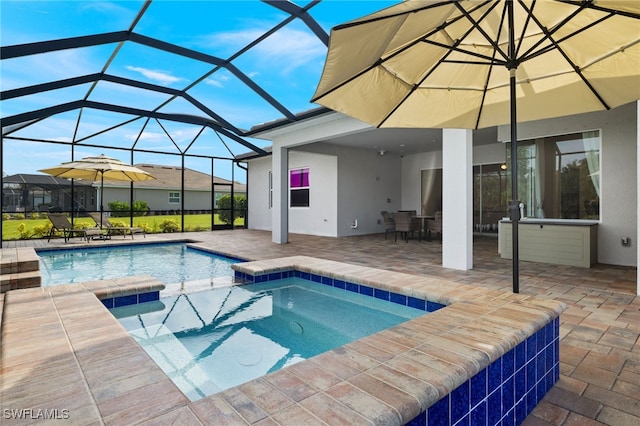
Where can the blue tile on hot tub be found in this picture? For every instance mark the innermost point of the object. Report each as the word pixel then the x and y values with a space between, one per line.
pixel 521 411
pixel 352 287
pixel 478 387
pixel 494 375
pixel 366 290
pixel 494 408
pixel 275 276
pixel 400 299
pixel 532 347
pixel 540 339
pixel 327 281
pixel 520 384
pixel 508 362
pixel 508 394
pixel 531 374
pixel 108 303
pixel 341 284
pixel 381 294
pixel 521 355
pixel 417 303
pixel 438 413
pixel 549 333
pixel 419 420
pixel 148 297
pixel 479 414
pixel 434 306
pixel 460 404
pixel 125 300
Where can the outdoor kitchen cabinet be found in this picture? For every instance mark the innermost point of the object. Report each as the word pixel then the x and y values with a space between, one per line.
pixel 557 241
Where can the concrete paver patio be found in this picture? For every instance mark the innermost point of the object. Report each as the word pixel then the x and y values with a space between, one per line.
pixel 600 345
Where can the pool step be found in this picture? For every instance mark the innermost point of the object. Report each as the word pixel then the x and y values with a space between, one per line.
pixel 19 268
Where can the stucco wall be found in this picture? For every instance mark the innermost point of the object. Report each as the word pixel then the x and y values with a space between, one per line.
pixel 362 180
pixel 367 184
pixel 320 217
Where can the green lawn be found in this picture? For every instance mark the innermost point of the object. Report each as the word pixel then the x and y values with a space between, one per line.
pixel 12 229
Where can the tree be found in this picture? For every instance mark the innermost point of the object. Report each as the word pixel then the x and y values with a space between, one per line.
pixel 224 208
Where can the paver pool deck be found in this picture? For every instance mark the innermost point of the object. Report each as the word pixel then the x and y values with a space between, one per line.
pixel 599 348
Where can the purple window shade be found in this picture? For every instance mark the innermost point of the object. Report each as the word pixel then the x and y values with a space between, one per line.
pixel 299 178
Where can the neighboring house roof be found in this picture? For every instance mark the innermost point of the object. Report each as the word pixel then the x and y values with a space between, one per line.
pixel 43 181
pixel 170 177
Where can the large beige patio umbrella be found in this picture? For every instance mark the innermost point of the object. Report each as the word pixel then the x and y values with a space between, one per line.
pixel 99 168
pixel 468 63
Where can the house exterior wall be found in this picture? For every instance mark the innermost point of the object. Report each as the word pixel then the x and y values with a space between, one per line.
pixel 367 184
pixel 158 199
pixel 321 215
pixel 355 184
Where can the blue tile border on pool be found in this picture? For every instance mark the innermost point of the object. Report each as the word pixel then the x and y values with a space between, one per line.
pixel 401 299
pixel 507 390
pixel 132 299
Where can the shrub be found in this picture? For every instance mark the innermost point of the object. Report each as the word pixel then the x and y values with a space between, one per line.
pixel 40 231
pixel 35 215
pixel 5 216
pixel 23 231
pixel 140 208
pixel 119 208
pixel 122 208
pixel 19 216
pixel 169 225
pixel 224 208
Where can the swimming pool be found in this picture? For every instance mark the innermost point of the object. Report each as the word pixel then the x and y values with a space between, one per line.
pixel 173 264
pixel 210 341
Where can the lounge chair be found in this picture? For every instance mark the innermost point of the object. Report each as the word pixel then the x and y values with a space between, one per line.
pixel 113 230
pixel 60 223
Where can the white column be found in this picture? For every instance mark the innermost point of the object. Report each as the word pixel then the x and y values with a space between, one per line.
pixel 280 209
pixel 457 199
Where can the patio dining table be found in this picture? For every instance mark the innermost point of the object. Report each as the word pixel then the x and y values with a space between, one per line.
pixel 423 227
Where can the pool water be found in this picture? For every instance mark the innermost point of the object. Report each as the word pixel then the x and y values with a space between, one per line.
pixel 172 264
pixel 213 340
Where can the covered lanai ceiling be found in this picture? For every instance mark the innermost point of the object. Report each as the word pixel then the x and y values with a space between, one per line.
pixel 179 77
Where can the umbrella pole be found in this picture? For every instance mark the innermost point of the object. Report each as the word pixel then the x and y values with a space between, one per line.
pixel 101 196
pixel 515 204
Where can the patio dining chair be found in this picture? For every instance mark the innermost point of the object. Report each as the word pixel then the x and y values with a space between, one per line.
pixel 112 229
pixel 435 225
pixel 60 224
pixel 389 223
pixel 405 225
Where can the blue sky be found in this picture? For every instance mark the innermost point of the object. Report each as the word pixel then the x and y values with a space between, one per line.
pixel 287 65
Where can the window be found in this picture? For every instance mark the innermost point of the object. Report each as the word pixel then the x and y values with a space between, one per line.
pixel 174 198
pixel 299 187
pixel 559 176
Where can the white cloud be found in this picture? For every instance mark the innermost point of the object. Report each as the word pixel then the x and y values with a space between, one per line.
pixel 162 77
pixel 285 50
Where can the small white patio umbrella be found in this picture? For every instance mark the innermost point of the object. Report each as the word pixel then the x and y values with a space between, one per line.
pixel 99 168
pixel 467 63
